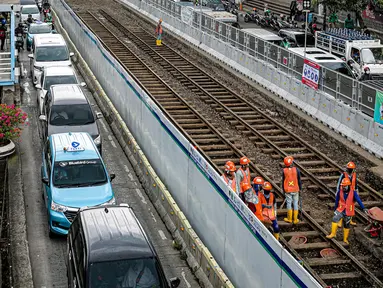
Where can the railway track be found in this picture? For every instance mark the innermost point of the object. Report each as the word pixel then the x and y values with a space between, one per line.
pixel 320 173
pixel 218 148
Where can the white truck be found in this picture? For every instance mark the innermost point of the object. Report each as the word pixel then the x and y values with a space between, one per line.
pixel 357 49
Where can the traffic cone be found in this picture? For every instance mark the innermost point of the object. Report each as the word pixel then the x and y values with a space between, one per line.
pixel 240 6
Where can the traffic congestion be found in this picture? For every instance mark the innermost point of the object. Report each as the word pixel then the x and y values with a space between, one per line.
pixel 75 172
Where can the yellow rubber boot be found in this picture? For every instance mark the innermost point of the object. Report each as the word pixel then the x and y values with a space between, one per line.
pixel 296 221
pixel 334 227
pixel 289 218
pixel 352 222
pixel 340 223
pixel 276 235
pixel 346 232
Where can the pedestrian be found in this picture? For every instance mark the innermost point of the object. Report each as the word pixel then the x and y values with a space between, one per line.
pixel 269 208
pixel 3 34
pixel 229 175
pixel 366 31
pixel 344 208
pixel 291 186
pixel 285 43
pixel 293 8
pixel 348 22
pixel 350 174
pixel 243 175
pixel 251 199
pixel 333 20
pixel 159 33
pixel 366 75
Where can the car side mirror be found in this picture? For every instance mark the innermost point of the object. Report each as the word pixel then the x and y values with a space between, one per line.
pixel 71 54
pixel 112 176
pixel 54 32
pixel 175 282
pixel 99 115
pixel 43 118
pixel 30 56
pixel 83 84
pixel 38 86
pixel 45 180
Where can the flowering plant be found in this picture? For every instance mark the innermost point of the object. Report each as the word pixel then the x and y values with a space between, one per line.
pixel 10 120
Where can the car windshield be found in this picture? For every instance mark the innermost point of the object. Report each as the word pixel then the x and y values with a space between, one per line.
pixel 30 10
pixel 52 53
pixel 78 173
pixel 40 29
pixel 125 273
pixel 71 115
pixel 340 67
pixel 301 40
pixel 55 80
pixel 372 55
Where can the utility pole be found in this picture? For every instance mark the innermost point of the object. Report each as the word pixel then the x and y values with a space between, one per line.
pixel 306 8
pixel 324 15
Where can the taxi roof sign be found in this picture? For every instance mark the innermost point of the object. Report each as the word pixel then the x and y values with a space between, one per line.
pixel 75 147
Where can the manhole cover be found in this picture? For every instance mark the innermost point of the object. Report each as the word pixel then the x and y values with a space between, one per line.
pixel 329 253
pixel 298 240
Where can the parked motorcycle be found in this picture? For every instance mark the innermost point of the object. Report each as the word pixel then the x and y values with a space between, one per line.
pixel 251 17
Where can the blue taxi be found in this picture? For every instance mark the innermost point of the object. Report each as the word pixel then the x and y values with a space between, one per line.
pixel 37 28
pixel 73 176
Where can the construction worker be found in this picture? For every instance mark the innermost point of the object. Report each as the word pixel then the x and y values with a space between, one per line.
pixel 256 208
pixel 269 207
pixel 350 174
pixel 229 175
pixel 291 185
pixel 243 175
pixel 345 208
pixel 251 199
pixel 159 33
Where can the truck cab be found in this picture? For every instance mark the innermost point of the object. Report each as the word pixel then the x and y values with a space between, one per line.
pixel 359 50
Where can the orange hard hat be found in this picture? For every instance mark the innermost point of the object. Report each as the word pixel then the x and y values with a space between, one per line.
pixel 258 180
pixel 245 186
pixel 346 182
pixel 288 160
pixel 230 166
pixel 351 165
pixel 254 9
pixel 244 160
pixel 267 186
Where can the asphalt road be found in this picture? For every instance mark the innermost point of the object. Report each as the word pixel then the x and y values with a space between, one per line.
pixel 47 255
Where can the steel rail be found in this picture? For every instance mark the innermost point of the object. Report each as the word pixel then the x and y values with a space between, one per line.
pixel 359 266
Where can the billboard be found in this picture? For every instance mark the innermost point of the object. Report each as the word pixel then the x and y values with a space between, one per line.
pixel 378 112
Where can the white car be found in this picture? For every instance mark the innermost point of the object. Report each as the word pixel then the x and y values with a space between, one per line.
pixel 29 9
pixel 48 50
pixel 54 76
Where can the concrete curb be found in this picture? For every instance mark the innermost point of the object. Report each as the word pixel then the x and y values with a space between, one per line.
pixel 21 265
pixel 197 255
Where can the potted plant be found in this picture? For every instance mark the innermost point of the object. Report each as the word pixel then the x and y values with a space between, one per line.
pixel 11 118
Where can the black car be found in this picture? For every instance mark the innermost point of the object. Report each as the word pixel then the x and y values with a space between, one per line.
pixel 296 37
pixel 107 247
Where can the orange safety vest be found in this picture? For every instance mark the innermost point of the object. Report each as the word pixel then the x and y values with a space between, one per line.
pixel 233 182
pixel 353 179
pixel 258 206
pixel 159 29
pixel 268 214
pixel 290 184
pixel 347 204
pixel 246 178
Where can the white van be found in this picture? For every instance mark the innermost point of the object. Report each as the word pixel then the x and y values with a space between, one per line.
pixel 264 35
pixel 325 59
pixel 48 50
pixel 29 9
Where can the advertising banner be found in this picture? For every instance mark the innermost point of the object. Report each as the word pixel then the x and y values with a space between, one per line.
pixel 378 113
pixel 310 74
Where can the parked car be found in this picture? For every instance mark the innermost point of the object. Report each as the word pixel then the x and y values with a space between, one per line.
pixel 54 76
pixel 296 37
pixel 107 247
pixel 29 9
pixel 37 28
pixel 73 176
pixel 48 50
pixel 66 109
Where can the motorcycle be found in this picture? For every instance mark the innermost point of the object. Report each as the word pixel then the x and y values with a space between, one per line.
pixel 251 17
pixel 19 41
